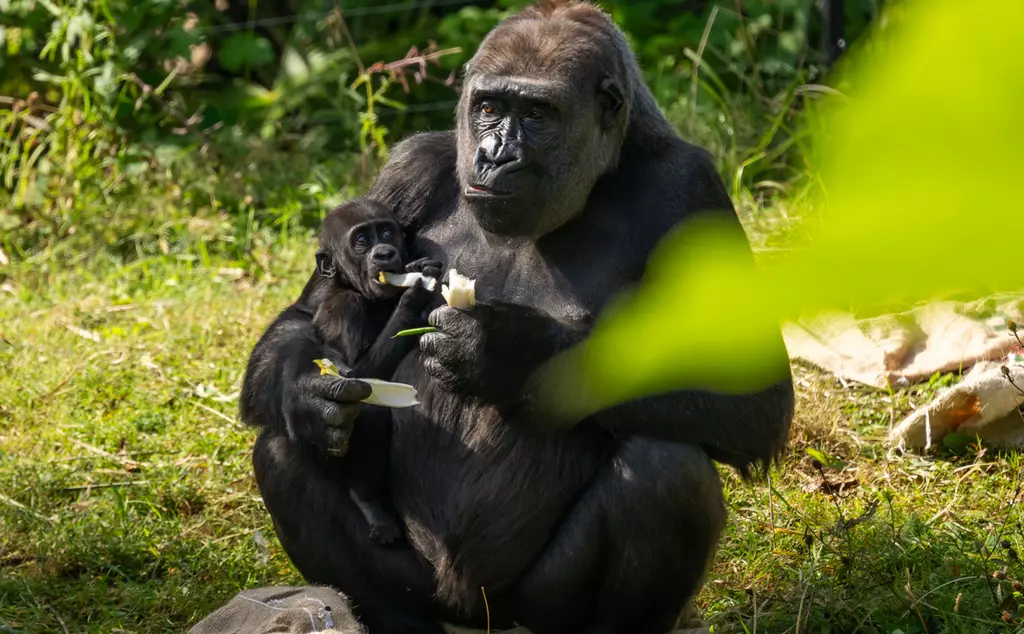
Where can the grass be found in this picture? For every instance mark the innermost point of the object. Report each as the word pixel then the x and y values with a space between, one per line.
pixel 128 497
pixel 128 504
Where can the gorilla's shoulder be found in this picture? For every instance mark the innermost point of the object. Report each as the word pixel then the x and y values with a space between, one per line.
pixel 438 146
pixel 419 177
pixel 684 175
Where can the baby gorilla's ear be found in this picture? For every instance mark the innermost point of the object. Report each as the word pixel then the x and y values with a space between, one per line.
pixel 325 264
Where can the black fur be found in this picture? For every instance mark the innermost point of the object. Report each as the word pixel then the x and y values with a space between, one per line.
pixel 606 526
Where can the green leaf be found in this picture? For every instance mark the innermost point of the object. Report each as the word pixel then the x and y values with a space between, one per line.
pixel 826 460
pixel 245 49
pixel 956 442
pixel 414 331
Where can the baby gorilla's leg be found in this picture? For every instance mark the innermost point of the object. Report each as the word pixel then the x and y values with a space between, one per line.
pixel 369 476
pixel 383 527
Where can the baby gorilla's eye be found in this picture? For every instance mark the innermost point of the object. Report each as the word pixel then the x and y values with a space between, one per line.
pixel 361 240
pixel 386 234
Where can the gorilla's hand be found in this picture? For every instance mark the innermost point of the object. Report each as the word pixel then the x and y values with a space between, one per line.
pixel 414 307
pixel 321 411
pixel 426 266
pixel 489 351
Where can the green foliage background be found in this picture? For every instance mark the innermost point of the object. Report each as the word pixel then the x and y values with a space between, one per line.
pixel 135 127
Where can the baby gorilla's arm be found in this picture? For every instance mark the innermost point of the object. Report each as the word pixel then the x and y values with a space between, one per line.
pixel 383 357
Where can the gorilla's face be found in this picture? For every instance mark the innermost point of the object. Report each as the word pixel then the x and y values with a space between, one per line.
pixel 358 242
pixel 530 149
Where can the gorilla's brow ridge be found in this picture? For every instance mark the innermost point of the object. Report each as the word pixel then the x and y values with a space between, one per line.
pixel 525 87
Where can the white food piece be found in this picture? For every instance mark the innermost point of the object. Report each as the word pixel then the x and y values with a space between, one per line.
pixel 460 292
pixel 407 279
pixel 388 394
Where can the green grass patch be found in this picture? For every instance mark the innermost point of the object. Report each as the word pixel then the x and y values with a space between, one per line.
pixel 127 500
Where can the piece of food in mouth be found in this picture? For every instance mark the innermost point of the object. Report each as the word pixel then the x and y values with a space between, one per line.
pixel 406 279
pixel 460 292
pixel 385 393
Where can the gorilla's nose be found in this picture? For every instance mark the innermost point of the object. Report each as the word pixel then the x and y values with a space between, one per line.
pixel 384 254
pixel 498 152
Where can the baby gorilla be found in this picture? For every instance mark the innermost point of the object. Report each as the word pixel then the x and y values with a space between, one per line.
pixel 359 241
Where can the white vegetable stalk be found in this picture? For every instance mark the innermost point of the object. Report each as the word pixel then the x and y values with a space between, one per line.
pixel 388 394
pixel 384 393
pixel 460 292
pixel 407 279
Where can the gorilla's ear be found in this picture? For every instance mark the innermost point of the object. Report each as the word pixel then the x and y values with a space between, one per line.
pixel 611 99
pixel 325 264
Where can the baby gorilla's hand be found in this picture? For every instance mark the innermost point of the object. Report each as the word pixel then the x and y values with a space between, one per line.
pixel 321 410
pixel 425 266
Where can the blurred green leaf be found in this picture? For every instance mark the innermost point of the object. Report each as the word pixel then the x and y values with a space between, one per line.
pixel 245 49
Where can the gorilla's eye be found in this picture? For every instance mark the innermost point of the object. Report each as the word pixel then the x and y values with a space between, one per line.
pixel 361 241
pixel 386 234
pixel 488 108
pixel 535 113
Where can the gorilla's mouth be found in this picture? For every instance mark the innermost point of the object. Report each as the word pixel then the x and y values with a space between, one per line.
pixel 476 190
pixel 375 274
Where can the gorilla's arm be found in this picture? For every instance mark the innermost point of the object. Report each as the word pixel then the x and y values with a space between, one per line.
pixel 742 430
pixel 496 364
pixel 283 388
pixel 387 352
pixel 745 431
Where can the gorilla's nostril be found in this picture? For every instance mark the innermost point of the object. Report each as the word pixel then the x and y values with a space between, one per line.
pixel 384 255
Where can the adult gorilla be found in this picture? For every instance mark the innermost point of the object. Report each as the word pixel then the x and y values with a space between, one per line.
pixel 561 177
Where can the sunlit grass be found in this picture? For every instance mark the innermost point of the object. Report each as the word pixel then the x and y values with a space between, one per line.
pixel 128 498
pixel 127 491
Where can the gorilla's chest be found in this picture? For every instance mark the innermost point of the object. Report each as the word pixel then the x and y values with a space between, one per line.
pixel 514 270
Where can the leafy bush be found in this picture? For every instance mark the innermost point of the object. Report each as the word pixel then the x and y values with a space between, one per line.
pixel 147 127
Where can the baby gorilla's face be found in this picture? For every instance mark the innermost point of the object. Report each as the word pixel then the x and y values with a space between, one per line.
pixel 378 250
pixel 355 251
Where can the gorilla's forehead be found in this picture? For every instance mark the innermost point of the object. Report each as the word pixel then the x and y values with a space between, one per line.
pixel 552 50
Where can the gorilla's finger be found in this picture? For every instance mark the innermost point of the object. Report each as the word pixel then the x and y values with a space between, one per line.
pixel 430 343
pixel 340 416
pixel 445 318
pixel 440 346
pixel 432 271
pixel 421 265
pixel 444 377
pixel 341 390
pixel 336 441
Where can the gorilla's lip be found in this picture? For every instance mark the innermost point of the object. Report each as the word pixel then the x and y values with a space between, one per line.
pixel 476 190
